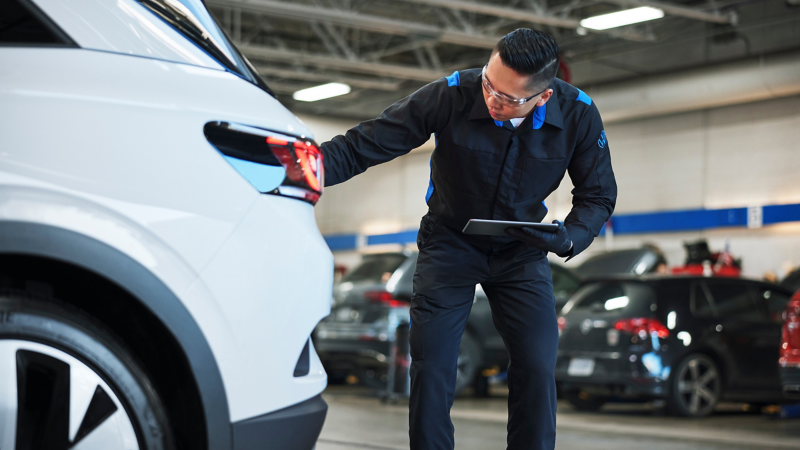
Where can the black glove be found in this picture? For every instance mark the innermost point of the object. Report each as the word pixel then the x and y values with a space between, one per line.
pixel 557 241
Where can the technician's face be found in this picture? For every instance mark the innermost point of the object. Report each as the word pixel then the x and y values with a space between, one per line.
pixel 505 84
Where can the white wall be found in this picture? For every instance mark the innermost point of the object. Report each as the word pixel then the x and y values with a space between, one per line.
pixel 732 156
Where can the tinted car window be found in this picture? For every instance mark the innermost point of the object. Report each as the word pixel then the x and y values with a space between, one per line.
pixel 21 25
pixel 375 268
pixel 774 303
pixel 563 281
pixel 733 301
pixel 701 303
pixel 602 297
pixel 619 262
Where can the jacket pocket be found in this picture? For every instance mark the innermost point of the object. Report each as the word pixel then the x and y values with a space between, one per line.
pixel 471 171
pixel 539 177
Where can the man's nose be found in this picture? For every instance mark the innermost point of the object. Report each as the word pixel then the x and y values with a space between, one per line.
pixel 492 102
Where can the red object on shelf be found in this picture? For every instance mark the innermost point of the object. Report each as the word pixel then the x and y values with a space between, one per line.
pixel 697 269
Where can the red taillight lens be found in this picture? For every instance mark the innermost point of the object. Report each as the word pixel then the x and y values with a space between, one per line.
pixel 562 323
pixel 384 298
pixel 790 342
pixel 642 324
pixel 252 151
pixel 302 161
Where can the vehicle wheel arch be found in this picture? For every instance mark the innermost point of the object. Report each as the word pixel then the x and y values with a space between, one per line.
pixel 67 265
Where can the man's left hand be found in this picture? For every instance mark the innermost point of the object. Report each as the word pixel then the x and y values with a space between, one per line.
pixel 557 241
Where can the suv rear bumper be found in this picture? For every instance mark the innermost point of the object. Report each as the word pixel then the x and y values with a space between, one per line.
pixel 294 428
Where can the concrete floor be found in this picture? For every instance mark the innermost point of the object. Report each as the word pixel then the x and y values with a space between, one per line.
pixel 357 420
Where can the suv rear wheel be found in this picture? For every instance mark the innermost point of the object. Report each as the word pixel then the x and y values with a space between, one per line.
pixel 76 386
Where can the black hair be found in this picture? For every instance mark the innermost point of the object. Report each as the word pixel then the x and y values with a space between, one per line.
pixel 530 52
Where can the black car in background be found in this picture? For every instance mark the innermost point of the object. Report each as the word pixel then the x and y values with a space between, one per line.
pixel 691 341
pixel 633 261
pixel 792 280
pixel 371 301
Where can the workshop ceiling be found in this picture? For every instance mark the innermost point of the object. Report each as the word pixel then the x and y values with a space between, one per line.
pixel 385 50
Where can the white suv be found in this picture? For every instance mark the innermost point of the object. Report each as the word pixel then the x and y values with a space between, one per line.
pixel 161 270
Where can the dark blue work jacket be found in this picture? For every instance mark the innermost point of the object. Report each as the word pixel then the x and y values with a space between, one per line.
pixel 486 169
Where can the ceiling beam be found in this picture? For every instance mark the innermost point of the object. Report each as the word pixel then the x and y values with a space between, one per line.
pixel 522 15
pixel 502 11
pixel 332 62
pixel 329 77
pixel 357 20
pixel 681 11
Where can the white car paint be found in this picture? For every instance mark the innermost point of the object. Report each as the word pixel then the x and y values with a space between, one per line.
pixel 112 147
pixel 123 26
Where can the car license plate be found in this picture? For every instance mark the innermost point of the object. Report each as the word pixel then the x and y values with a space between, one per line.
pixel 580 367
pixel 344 314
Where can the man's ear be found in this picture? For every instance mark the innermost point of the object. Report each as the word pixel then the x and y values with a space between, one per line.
pixel 545 97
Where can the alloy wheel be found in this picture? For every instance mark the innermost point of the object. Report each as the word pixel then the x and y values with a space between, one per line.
pixel 699 386
pixel 50 399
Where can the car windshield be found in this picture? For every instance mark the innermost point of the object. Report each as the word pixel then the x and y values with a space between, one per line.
pixel 375 268
pixel 192 19
pixel 617 262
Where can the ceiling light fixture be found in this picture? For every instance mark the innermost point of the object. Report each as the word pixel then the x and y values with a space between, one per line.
pixel 622 18
pixel 315 93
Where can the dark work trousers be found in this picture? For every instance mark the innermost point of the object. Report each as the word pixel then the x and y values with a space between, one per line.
pixel 517 281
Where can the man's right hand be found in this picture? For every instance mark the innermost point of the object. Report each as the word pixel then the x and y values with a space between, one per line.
pixel 557 241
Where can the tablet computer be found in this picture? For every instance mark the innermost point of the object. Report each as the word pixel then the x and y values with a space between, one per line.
pixel 498 227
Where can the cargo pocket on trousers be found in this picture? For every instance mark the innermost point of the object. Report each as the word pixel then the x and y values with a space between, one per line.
pixel 416 333
pixel 426 227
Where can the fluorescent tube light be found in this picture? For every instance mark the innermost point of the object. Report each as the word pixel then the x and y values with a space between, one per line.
pixel 315 93
pixel 622 18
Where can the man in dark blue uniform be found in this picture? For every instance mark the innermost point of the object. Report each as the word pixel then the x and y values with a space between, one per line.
pixel 505 136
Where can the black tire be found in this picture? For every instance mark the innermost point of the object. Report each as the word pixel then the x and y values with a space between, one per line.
pixel 469 359
pixel 695 387
pixel 583 401
pixel 59 350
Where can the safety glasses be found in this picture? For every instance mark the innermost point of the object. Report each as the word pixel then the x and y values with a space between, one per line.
pixel 504 99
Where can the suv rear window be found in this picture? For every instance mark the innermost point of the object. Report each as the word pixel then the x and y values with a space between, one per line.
pixel 193 20
pixel 617 262
pixel 612 296
pixel 375 268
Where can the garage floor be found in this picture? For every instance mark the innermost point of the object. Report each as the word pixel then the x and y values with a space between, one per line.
pixel 357 420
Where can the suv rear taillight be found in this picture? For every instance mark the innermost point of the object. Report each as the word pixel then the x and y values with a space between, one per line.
pixel 790 343
pixel 274 163
pixel 642 326
pixel 384 298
